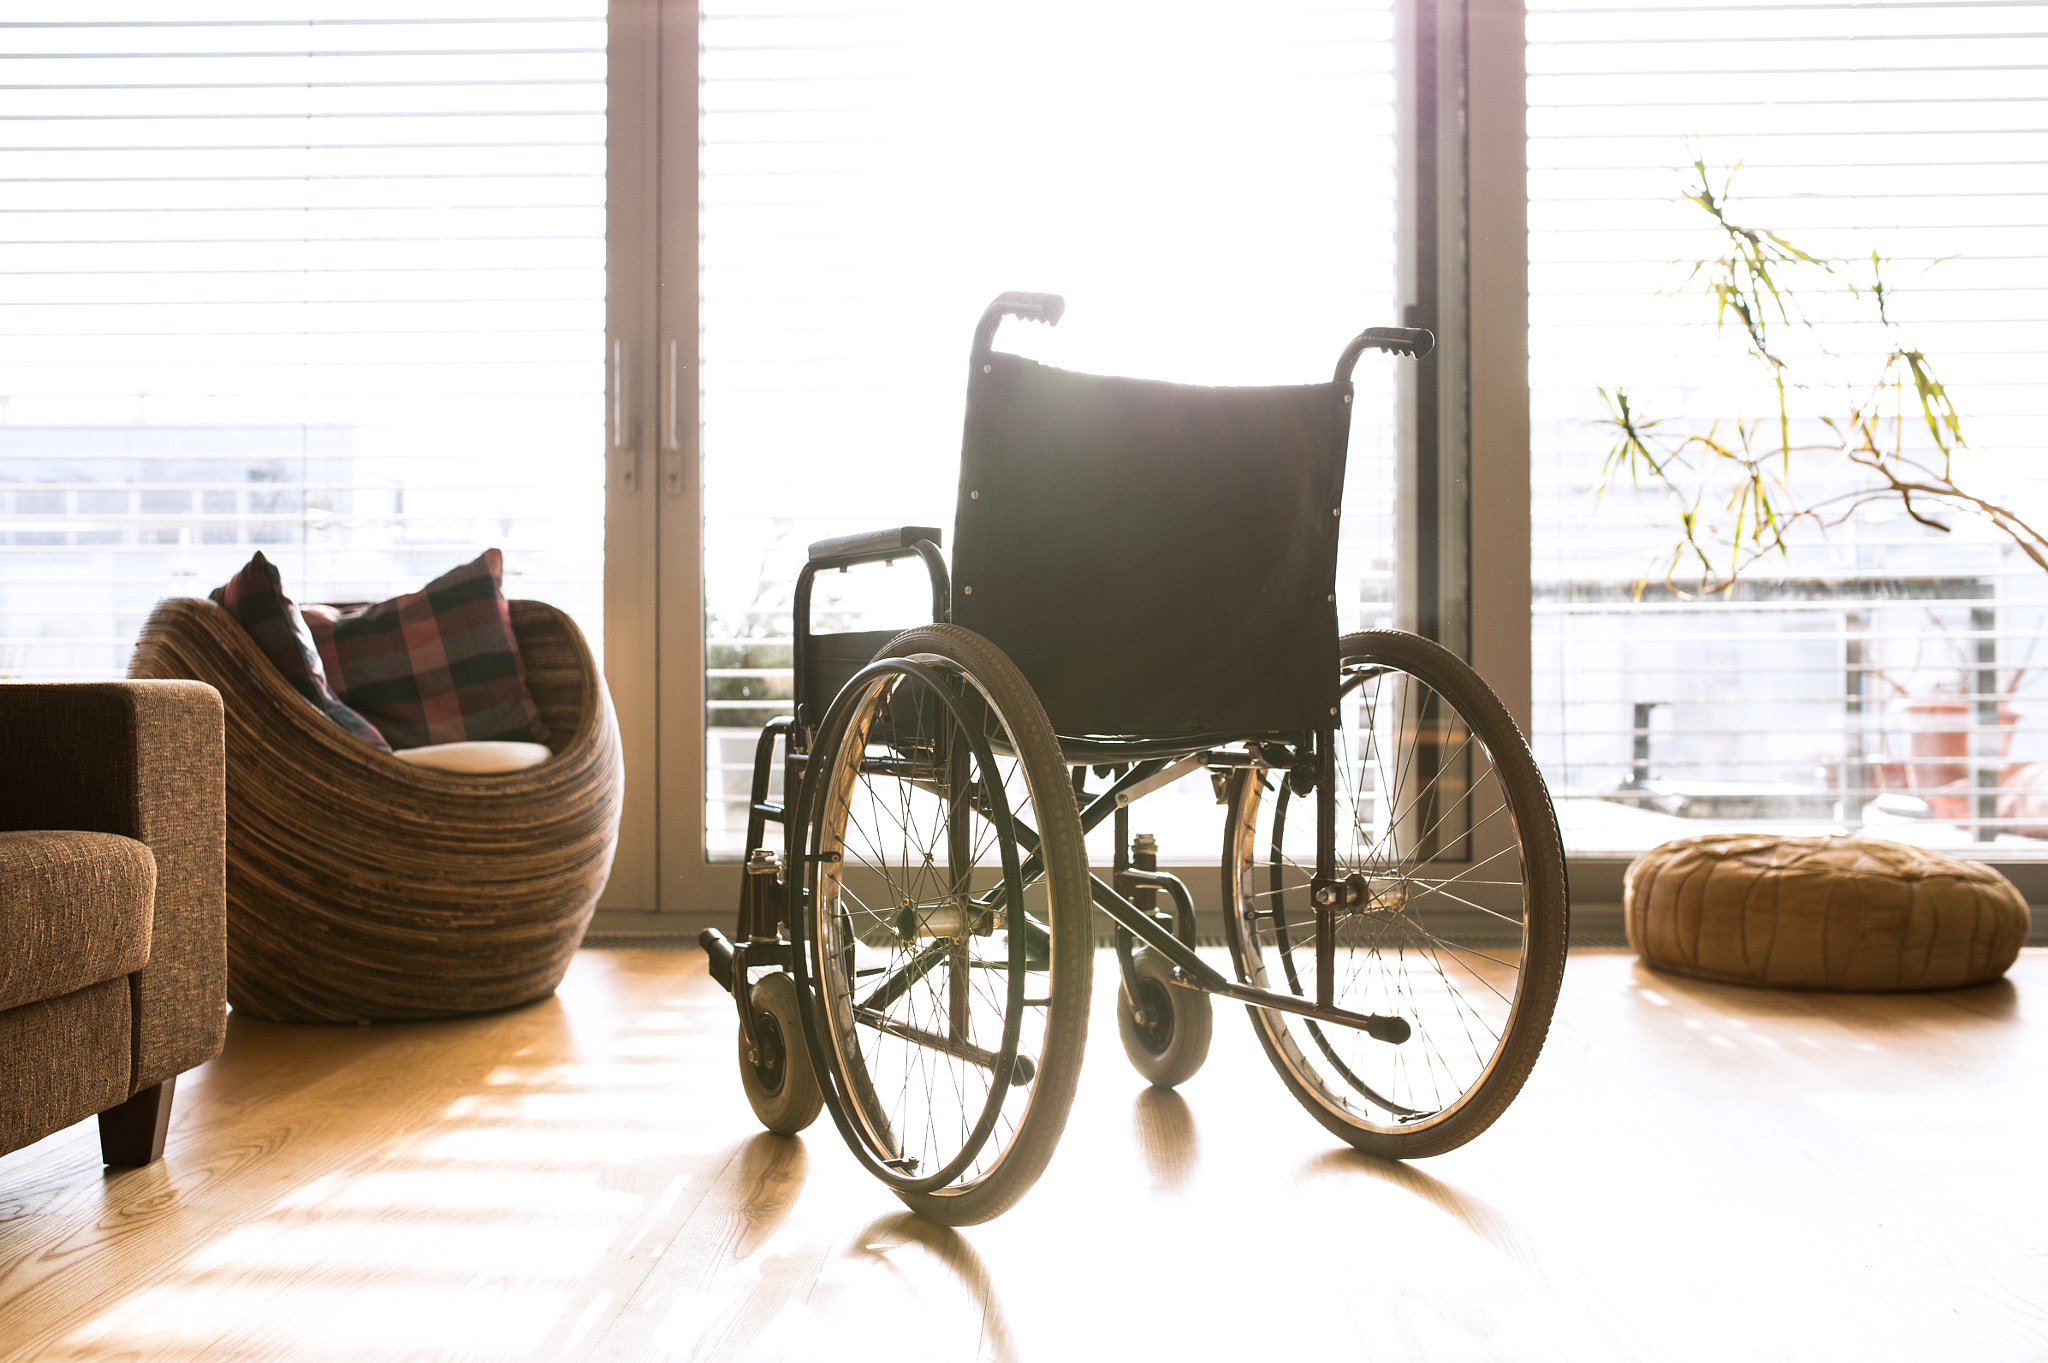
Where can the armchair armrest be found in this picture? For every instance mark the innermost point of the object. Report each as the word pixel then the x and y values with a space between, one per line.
pixel 143 759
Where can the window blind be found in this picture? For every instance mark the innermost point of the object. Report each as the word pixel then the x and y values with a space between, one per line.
pixel 1209 186
pixel 1884 678
pixel 322 280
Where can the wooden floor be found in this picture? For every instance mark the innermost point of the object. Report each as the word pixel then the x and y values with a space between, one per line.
pixel 1695 1172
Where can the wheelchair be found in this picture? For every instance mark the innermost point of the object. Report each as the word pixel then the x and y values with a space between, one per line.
pixel 1143 588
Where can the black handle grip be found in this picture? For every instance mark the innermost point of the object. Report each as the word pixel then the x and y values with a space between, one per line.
pixel 1036 307
pixel 1411 341
pixel 1414 342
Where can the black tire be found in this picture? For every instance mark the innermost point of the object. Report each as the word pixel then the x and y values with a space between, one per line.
pixel 948 1041
pixel 1173 1041
pixel 776 1073
pixel 1441 809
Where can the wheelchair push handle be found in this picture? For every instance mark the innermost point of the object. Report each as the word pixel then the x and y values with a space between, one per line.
pixel 1032 307
pixel 1036 307
pixel 1414 342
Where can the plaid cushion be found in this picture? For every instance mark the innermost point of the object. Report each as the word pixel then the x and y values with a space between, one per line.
pixel 255 597
pixel 438 665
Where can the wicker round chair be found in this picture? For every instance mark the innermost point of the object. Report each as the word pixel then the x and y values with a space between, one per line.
pixel 361 889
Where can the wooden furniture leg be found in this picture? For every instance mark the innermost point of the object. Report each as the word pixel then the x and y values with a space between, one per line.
pixel 133 1133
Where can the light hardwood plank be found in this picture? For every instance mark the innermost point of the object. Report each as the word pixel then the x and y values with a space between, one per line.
pixel 1695 1172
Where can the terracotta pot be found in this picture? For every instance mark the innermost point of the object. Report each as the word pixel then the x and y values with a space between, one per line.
pixel 1938 738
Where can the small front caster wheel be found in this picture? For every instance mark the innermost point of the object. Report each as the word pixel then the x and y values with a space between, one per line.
pixel 1173 1040
pixel 777 1075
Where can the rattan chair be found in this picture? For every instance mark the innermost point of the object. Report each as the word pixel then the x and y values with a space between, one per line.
pixel 363 889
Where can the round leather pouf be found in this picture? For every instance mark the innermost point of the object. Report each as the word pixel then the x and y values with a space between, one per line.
pixel 1821 913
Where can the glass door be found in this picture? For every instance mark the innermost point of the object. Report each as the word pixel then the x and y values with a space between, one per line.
pixel 1210 187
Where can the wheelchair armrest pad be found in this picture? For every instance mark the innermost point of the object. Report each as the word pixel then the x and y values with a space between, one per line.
pixel 872 542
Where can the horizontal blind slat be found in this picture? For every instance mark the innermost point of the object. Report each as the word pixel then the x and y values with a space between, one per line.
pixel 340 302
pixel 1913 128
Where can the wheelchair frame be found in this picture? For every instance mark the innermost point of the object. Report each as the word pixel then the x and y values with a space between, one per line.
pixel 773 895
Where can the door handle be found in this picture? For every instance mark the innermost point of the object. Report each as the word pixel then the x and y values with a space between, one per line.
pixel 672 455
pixel 625 433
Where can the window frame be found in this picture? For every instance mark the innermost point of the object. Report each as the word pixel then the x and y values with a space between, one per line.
pixel 661 883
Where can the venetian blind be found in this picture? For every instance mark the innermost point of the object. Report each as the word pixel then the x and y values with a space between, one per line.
pixel 1884 677
pixel 324 280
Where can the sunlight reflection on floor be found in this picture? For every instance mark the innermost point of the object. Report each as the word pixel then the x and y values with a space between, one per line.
pixel 420 1193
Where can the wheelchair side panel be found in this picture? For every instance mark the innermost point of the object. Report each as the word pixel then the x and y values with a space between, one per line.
pixel 830 660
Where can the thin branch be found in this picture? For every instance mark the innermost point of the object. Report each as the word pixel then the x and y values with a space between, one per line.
pixel 1752 485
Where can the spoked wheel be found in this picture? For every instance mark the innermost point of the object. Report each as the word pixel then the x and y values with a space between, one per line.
pixel 944 917
pixel 1443 816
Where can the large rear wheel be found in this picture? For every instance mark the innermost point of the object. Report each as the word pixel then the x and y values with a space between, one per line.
pixel 1460 931
pixel 942 896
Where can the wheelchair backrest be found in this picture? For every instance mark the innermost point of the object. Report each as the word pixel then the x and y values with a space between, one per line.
pixel 1158 559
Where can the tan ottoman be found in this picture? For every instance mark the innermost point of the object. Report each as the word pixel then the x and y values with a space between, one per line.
pixel 1821 913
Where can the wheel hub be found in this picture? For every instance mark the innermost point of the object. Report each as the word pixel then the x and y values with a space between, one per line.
pixel 953 918
pixel 1155 1018
pixel 1384 896
pixel 768 1052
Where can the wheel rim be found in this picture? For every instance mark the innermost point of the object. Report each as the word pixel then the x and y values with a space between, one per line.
pixel 1155 1033
pixel 931 1015
pixel 1425 817
pixel 769 1054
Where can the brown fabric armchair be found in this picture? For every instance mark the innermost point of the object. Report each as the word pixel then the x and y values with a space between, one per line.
pixel 113 906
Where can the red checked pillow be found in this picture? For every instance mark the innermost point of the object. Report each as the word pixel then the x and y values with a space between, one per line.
pixel 438 665
pixel 255 597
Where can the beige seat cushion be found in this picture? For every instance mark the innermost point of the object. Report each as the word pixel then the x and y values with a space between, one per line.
pixel 1822 913
pixel 75 910
pixel 476 758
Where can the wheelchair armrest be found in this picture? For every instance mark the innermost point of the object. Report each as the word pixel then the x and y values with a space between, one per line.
pixel 870 544
pixel 847 551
